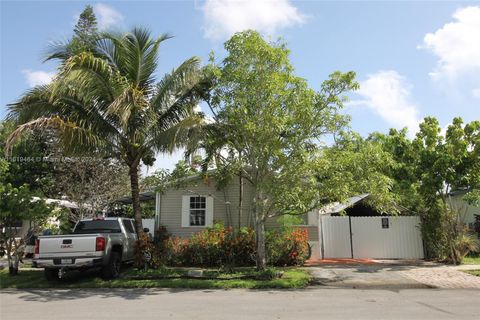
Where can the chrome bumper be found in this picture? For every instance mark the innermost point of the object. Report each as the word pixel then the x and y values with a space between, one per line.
pixel 76 263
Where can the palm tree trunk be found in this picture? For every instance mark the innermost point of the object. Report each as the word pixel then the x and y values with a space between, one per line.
pixel 137 210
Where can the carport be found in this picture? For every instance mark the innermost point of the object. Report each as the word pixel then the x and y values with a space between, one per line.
pixel 363 233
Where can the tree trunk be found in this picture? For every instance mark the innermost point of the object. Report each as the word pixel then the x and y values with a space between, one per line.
pixel 137 210
pixel 261 260
pixel 240 201
pixel 12 256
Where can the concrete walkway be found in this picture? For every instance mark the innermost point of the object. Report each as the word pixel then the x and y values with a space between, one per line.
pixel 364 276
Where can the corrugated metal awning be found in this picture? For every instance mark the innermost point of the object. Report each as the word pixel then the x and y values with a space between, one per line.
pixel 336 207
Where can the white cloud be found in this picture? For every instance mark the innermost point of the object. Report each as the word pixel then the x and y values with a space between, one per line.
pixel 222 18
pixel 443 130
pixel 387 93
pixel 106 16
pixel 208 118
pixel 164 161
pixel 476 92
pixel 197 109
pixel 35 78
pixel 456 44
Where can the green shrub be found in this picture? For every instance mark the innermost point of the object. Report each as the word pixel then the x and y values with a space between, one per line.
pixel 222 247
pixel 287 247
pixel 213 247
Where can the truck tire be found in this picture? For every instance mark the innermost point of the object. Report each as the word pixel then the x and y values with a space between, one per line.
pixel 51 274
pixel 112 269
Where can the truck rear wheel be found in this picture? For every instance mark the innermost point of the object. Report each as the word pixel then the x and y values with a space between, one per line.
pixel 112 269
pixel 51 274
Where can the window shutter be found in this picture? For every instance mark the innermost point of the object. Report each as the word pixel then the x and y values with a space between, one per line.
pixel 185 211
pixel 209 212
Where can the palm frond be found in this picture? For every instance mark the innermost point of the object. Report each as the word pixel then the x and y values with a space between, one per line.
pixel 58 50
pixel 176 136
pixel 134 54
pixel 176 84
pixel 126 104
pixel 73 136
pixel 68 103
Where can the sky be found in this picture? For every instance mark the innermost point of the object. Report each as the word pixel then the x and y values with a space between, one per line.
pixel 412 58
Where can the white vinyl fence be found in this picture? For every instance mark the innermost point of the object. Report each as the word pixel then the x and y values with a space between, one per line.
pixel 384 237
pixel 150 224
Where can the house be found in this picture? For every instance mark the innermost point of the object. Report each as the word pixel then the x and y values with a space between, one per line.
pixel 23 227
pixel 361 233
pixel 198 203
pixel 467 212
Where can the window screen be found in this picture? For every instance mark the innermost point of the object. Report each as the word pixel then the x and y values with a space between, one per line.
pixel 198 210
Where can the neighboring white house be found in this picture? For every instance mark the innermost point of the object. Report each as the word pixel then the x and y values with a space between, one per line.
pixel 467 211
pixel 22 227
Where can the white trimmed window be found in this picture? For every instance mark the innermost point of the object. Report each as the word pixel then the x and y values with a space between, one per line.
pixel 197 211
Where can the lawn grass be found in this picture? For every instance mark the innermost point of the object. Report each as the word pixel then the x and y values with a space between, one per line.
pixel 473 272
pixel 471 260
pixel 292 278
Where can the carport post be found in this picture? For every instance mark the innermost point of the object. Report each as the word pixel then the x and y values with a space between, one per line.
pixel 158 197
pixel 320 235
pixel 351 236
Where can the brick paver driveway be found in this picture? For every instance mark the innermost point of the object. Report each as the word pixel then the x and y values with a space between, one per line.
pixel 394 274
pixel 444 277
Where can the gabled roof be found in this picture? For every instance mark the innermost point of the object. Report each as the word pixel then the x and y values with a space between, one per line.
pixel 150 193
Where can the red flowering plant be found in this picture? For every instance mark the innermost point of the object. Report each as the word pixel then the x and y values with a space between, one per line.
pixel 225 247
pixel 218 246
pixel 146 253
pixel 287 247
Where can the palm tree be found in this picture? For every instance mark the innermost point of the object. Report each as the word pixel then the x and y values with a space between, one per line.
pixel 107 100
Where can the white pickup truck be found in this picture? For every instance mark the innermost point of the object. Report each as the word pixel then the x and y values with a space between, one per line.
pixel 103 243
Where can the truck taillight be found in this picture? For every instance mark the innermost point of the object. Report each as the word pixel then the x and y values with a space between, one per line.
pixel 37 246
pixel 100 244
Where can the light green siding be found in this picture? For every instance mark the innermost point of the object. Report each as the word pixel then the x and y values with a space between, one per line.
pixel 171 207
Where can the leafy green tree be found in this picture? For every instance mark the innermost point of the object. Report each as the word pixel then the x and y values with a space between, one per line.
pixel 16 205
pixel 92 183
pixel 28 162
pixel 108 102
pixel 354 166
pixel 270 120
pixel 86 28
pixel 85 35
pixel 428 168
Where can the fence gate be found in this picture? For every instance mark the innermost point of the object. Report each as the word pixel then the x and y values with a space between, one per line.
pixel 383 237
pixel 335 237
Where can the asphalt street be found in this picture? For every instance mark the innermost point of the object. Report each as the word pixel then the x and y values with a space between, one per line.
pixel 312 303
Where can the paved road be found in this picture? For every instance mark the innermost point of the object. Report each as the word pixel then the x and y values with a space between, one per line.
pixel 316 303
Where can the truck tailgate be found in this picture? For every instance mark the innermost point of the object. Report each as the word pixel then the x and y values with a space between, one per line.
pixel 67 245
